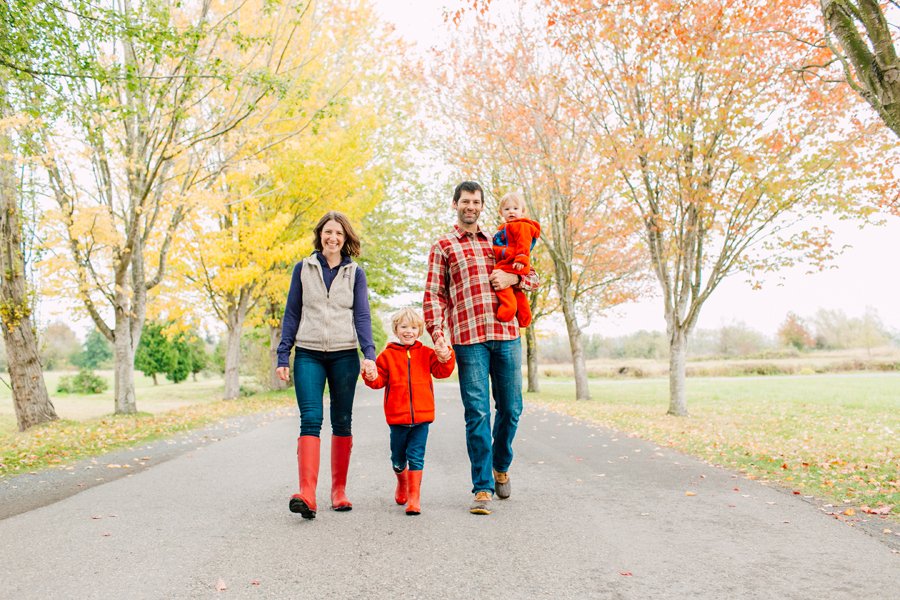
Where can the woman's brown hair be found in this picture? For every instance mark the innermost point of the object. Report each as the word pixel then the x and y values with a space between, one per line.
pixel 351 245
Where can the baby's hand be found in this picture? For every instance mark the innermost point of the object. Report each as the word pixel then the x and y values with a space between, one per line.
pixel 517 266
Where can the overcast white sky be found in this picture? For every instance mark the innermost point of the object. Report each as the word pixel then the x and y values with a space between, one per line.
pixel 865 275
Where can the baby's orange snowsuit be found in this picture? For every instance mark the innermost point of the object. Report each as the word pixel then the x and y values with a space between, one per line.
pixel 512 244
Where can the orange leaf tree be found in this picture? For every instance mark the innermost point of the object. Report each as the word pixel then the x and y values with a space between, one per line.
pixel 519 126
pixel 724 149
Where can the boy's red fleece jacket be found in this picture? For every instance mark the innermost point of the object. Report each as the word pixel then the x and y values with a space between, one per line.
pixel 405 373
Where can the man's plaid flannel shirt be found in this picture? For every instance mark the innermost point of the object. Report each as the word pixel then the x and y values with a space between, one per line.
pixel 458 295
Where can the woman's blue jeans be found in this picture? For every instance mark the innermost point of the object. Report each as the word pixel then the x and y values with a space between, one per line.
pixel 494 366
pixel 311 369
pixel 408 446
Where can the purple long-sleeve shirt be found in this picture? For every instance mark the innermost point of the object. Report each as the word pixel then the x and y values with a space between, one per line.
pixel 362 317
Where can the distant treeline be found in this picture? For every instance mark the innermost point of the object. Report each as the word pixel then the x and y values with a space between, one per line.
pixel 825 330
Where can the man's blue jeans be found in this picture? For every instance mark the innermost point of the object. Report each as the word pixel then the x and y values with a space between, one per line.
pixel 494 366
pixel 408 446
pixel 311 369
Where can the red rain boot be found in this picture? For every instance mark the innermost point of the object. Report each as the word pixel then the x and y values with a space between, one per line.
pixel 340 462
pixel 308 467
pixel 401 495
pixel 415 485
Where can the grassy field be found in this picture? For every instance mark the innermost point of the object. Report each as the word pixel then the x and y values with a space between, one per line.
pixel 87 427
pixel 150 398
pixel 833 436
pixel 885 359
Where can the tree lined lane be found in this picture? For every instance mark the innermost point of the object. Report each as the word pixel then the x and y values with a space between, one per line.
pixel 593 514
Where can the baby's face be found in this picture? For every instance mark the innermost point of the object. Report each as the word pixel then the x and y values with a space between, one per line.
pixel 511 210
pixel 407 333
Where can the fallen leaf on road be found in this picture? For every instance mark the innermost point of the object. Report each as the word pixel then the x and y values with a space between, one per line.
pixel 254 582
pixel 796 493
pixel 886 531
pixel 106 534
pixel 881 510
pixel 220 586
pixel 113 466
pixel 95 517
pixel 849 512
pixel 626 574
pixel 690 493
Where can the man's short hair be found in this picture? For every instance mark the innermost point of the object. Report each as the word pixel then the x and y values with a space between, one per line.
pixel 467 186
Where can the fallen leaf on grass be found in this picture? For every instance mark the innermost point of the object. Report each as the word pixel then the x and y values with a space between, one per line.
pixel 849 512
pixel 887 531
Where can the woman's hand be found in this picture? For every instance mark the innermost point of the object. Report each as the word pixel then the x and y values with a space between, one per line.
pixel 284 373
pixel 368 370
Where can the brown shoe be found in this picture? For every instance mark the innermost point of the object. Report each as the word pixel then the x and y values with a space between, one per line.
pixel 482 504
pixel 502 487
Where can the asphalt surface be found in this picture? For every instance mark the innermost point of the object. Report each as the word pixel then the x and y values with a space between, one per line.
pixel 593 514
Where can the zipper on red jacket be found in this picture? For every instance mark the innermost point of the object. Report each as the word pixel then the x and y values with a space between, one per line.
pixel 412 411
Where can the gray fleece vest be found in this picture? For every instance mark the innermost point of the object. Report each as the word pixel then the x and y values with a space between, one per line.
pixel 326 321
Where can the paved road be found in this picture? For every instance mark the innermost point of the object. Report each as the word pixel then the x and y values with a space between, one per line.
pixel 594 514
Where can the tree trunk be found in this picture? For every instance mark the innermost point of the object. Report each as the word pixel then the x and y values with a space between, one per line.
pixel 677 364
pixel 233 358
pixel 275 381
pixel 126 402
pixel 32 403
pixel 582 390
pixel 155 382
pixel 531 354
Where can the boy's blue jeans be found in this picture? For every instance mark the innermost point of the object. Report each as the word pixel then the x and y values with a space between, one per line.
pixel 408 446
pixel 494 366
pixel 311 369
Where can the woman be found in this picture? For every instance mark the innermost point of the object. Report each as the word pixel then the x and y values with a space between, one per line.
pixel 326 317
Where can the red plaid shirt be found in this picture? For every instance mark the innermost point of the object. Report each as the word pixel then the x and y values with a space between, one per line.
pixel 458 294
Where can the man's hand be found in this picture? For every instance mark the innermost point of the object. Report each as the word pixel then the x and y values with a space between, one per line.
pixel 368 369
pixel 441 349
pixel 284 373
pixel 500 280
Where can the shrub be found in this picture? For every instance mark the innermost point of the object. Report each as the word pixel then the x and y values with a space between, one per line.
pixel 86 382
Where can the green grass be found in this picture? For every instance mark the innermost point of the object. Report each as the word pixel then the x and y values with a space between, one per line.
pixel 833 436
pixel 67 440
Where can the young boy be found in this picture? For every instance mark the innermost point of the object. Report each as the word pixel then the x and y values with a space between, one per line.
pixel 405 369
pixel 512 246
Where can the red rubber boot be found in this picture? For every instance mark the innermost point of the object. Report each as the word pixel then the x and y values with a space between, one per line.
pixel 340 462
pixel 401 495
pixel 415 486
pixel 308 467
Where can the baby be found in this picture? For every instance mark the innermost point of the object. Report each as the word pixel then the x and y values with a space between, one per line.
pixel 512 246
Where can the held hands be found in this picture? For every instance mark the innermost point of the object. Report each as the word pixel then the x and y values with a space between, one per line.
pixel 284 373
pixel 500 280
pixel 441 349
pixel 368 370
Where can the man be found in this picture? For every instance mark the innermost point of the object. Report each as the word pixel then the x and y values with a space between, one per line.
pixel 460 297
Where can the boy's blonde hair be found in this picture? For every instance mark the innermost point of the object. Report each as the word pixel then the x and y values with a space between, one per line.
pixel 512 197
pixel 410 316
